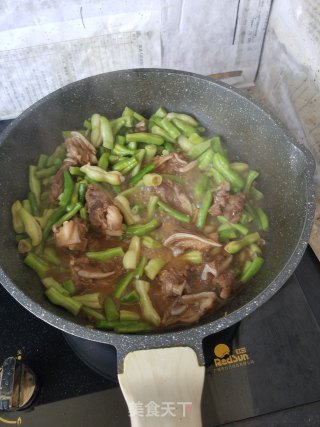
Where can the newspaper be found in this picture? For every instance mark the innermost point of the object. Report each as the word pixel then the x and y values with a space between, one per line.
pixel 289 78
pixel 45 45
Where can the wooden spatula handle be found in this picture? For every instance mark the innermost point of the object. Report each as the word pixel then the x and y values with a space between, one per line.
pixel 163 387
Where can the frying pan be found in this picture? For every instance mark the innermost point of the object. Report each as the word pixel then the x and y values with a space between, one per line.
pixel 164 367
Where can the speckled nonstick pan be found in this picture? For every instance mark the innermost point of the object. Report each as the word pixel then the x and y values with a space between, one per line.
pixel 173 372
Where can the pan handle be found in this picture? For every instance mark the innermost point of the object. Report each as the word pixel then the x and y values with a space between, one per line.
pixel 163 387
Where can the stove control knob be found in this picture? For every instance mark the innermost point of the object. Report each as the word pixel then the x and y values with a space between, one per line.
pixel 17 385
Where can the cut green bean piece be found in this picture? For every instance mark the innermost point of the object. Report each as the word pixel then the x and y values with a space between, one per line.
pixel 34 183
pixel 131 257
pixel 140 269
pixel 151 207
pixel 251 269
pixel 128 315
pixel 37 264
pixel 192 256
pixel 122 284
pixel 161 112
pixel 92 300
pixel 103 162
pixel 73 211
pixel 50 255
pixel 69 286
pixel 130 298
pixel 63 301
pixel 185 128
pixel 140 175
pixel 189 120
pixel 217 145
pixel 147 138
pixel 196 139
pixel 53 218
pixel 238 227
pixel 110 309
pixel 139 157
pixel 199 149
pixel 173 212
pixel 151 151
pixel 92 313
pixel 42 161
pixel 172 130
pixel 239 167
pixel 201 186
pixel 99 175
pixel 96 137
pixel 142 229
pixel 150 243
pixel 106 254
pixel 184 143
pixel 31 226
pixel 132 327
pixel 153 267
pixel 157 130
pixel 205 159
pixel 263 221
pixel 252 175
pixel 50 282
pixel 16 220
pixel 236 245
pixel 221 164
pixel 203 211
pixel 148 311
pixel 65 197
pixel 123 205
pixel 152 179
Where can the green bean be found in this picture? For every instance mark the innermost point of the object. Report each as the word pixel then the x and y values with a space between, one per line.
pixel 117 124
pixel 26 205
pixel 148 311
pixel 24 246
pixel 151 207
pixel 134 180
pixel 236 245
pixel 31 226
pixel 150 152
pixel 221 164
pixel 152 179
pixel 157 130
pixel 65 197
pixel 192 256
pixel 189 120
pixel 83 214
pixel 82 189
pixel 75 171
pixel 132 190
pixel 125 164
pixel 255 193
pixel 53 218
pixel 69 286
pixel 131 257
pixel 150 243
pixel 254 250
pixel 216 176
pixel 106 254
pixel 170 128
pixel 217 145
pixel 59 152
pixel 184 143
pixel 42 161
pixel 50 255
pixel 87 124
pixel 142 229
pixel 99 175
pixel 138 117
pixel 201 186
pixel 122 284
pixel 131 327
pixel 147 138
pixel 140 268
pixel 104 161
pixel 161 112
pixel 34 183
pixel 195 138
pixel 37 264
pixel 92 300
pixel 239 167
pixel 139 157
pixel 96 137
pixel 226 232
pixel 126 315
pixel 173 212
pixel 74 196
pixel 120 140
pixel 153 267
pixel 262 219
pixel 174 178
pixel 238 227
pixel 50 282
pixel 47 172
pixel 169 147
pixel 251 269
pixel 113 158
pixel 16 220
pixel 75 209
pixel 185 128
pixel 121 150
pixel 91 313
pixel 130 298
pixel 63 301
pixel 199 149
pixel 203 211
pixel 123 205
pixel 252 175
pixel 110 309
pixel 205 159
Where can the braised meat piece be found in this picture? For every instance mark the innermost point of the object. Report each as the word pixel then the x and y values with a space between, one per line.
pixel 72 235
pixel 173 281
pixel 229 205
pixel 189 308
pixel 103 214
pixel 216 267
pixel 180 242
pixel 227 284
pixel 80 150
pixel 58 181
pixel 174 194
pixel 173 163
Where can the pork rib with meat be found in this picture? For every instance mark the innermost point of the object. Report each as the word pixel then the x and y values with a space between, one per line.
pixel 226 204
pixel 103 214
pixel 174 194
